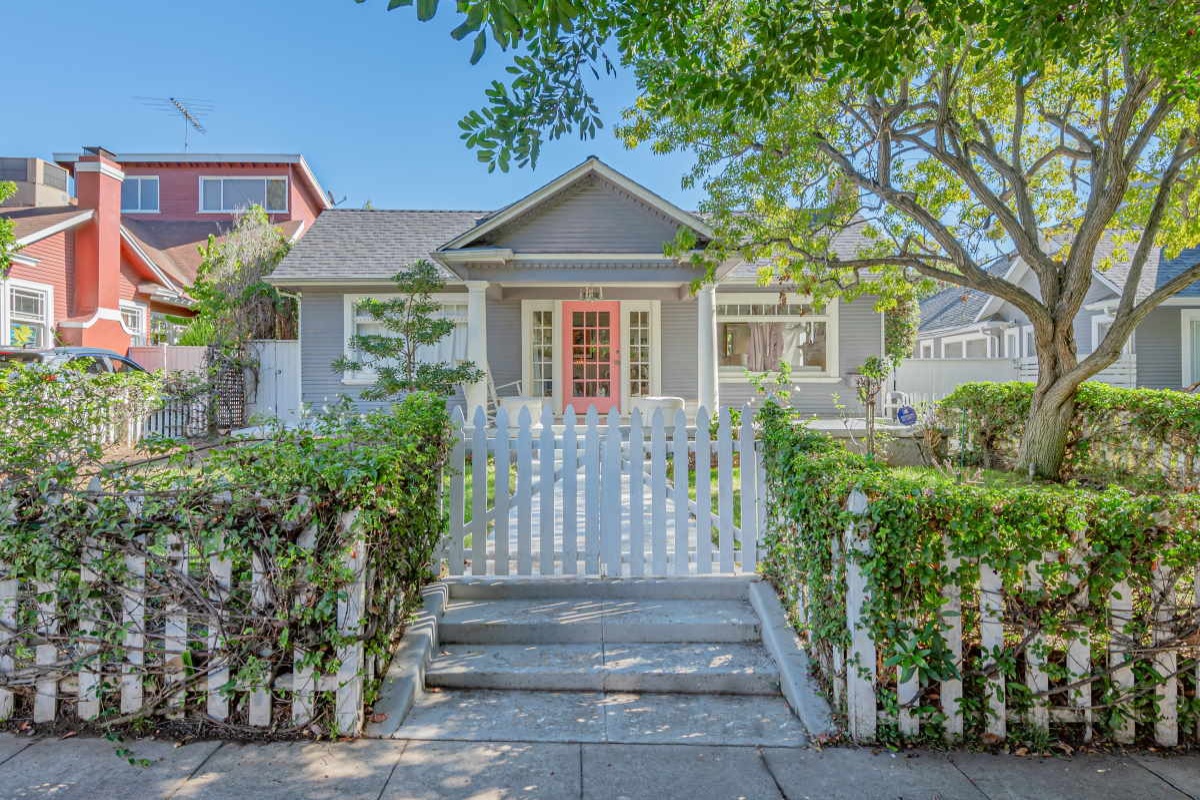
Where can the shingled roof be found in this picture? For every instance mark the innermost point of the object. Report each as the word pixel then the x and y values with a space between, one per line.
pixel 363 245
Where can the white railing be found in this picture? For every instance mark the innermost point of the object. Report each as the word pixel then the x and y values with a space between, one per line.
pixel 603 497
pixel 1123 371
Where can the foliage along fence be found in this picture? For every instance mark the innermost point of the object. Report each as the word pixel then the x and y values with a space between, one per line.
pixel 604 497
pixel 942 610
pixel 264 591
pixel 1151 434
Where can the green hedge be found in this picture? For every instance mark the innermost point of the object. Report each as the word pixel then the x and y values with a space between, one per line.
pixel 271 507
pixel 1115 433
pixel 918 517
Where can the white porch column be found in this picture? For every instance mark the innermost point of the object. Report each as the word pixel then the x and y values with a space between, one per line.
pixel 476 393
pixel 706 348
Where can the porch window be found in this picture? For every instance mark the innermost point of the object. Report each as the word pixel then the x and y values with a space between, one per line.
pixel 452 349
pixel 237 194
pixel 27 309
pixel 542 353
pixel 639 354
pixel 756 336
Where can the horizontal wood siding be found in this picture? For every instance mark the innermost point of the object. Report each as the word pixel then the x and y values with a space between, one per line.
pixel 1159 345
pixel 679 341
pixel 595 216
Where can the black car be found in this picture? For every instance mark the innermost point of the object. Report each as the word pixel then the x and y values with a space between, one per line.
pixel 90 359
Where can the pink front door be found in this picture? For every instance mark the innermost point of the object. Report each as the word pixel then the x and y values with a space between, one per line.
pixel 591 356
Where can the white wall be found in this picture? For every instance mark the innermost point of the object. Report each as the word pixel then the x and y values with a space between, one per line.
pixel 932 378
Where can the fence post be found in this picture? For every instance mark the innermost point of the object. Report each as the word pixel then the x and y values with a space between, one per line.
pixel 45 704
pixel 458 477
pixel 1166 725
pixel 525 493
pixel 725 490
pixel 1120 604
pixel 175 634
pixel 259 714
pixel 220 569
pixel 749 526
pixel 1035 658
pixel 637 513
pixel 348 706
pixel 479 492
pixel 1079 650
pixel 546 490
pixel 303 682
pixel 658 494
pixel 500 504
pixel 861 705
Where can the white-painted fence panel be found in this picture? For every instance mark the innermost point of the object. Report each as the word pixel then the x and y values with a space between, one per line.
pixel 604 495
pixel 274 388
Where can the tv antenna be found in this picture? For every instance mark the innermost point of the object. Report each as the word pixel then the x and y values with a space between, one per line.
pixel 189 109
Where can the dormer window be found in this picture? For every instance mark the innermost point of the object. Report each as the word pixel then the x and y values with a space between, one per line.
pixel 227 195
pixel 139 194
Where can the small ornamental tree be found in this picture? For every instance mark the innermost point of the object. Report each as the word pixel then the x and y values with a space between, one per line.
pixel 8 239
pixel 947 134
pixel 412 325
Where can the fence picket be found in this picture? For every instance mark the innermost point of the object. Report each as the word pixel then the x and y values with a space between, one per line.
pixel 907 694
pixel 1079 652
pixel 175 632
pixel 525 493
pixel 991 630
pixel 259 707
pixel 348 707
pixel 861 714
pixel 725 489
pixel 1120 605
pixel 45 704
pixel 458 477
pixel 1035 659
pixel 546 494
pixel 952 627
pixel 679 478
pixel 570 495
pixel 637 482
pixel 703 495
pixel 1166 726
pixel 479 493
pixel 658 494
pixel 501 502
pixel 8 622
pixel 303 678
pixel 749 480
pixel 89 676
pixel 610 508
pixel 220 569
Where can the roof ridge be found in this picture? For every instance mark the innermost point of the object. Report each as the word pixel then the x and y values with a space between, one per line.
pixel 411 210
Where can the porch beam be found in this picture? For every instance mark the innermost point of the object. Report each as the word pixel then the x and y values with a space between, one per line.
pixel 476 393
pixel 707 347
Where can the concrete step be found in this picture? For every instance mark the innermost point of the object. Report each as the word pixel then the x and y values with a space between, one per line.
pixel 696 587
pixel 515 716
pixel 587 621
pixel 680 668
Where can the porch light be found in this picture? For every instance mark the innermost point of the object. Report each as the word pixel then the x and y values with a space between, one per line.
pixel 591 293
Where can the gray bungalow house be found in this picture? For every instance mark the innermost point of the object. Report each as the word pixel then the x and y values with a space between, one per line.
pixel 565 296
pixel 968 326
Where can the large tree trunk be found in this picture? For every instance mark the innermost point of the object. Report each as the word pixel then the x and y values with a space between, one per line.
pixel 1044 443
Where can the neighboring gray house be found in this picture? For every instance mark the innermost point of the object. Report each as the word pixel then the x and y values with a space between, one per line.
pixel 566 295
pixel 1164 352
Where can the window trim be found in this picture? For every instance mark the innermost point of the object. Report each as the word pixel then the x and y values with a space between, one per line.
pixel 831 317
pixel 144 312
pixel 287 192
pixel 1127 349
pixel 964 338
pixel 139 210
pixel 924 344
pixel 655 309
pixel 349 301
pixel 5 300
pixel 555 309
pixel 1012 336
pixel 1186 317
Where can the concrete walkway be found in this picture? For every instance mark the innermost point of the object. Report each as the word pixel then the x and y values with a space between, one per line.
pixel 404 769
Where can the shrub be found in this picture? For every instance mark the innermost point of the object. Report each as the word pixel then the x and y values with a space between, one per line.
pixel 917 519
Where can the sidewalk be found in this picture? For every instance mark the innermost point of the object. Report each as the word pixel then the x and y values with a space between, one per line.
pixel 404 770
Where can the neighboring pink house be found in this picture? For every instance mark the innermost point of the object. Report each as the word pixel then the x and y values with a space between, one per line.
pixel 107 266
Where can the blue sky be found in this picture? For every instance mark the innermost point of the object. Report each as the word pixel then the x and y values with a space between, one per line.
pixel 371 98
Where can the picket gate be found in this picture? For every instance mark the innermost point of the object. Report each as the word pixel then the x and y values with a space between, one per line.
pixel 604 496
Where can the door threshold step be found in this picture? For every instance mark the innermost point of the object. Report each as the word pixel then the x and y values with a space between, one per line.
pixel 709 668
pixel 619 717
pixel 590 621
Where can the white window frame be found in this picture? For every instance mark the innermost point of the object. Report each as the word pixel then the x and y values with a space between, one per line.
pixel 1012 343
pixel 655 309
pixel 1028 342
pixel 964 338
pixel 926 348
pixel 139 210
pixel 832 374
pixel 287 190
pixel 5 299
pixel 1186 317
pixel 1127 349
pixel 350 301
pixel 143 312
pixel 527 309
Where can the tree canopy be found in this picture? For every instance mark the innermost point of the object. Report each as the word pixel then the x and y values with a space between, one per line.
pixel 8 239
pixel 947 135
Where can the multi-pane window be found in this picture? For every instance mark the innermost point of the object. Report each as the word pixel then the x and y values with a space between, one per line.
pixel 450 350
pixel 542 354
pixel 28 317
pixel 139 194
pixel 133 320
pixel 759 336
pixel 639 354
pixel 238 194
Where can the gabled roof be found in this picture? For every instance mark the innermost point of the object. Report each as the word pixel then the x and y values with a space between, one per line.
pixel 173 246
pixel 846 245
pixel 31 223
pixel 592 166
pixel 960 306
pixel 349 245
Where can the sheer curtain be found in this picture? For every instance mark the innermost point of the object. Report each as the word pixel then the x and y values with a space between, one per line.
pixel 766 346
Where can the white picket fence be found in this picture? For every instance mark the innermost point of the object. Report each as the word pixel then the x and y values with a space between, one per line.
pixel 70 683
pixel 856 678
pixel 604 497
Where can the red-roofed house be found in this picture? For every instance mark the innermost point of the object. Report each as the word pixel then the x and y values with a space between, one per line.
pixel 106 267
